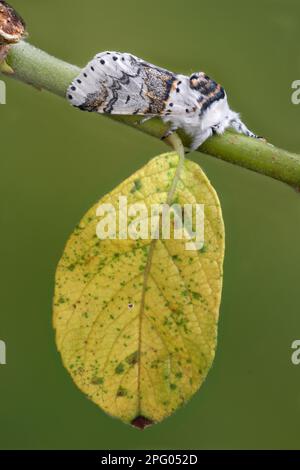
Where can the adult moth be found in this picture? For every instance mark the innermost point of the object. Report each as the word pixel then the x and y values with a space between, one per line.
pixel 120 83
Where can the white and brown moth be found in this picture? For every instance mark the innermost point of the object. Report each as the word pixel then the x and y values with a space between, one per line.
pixel 120 83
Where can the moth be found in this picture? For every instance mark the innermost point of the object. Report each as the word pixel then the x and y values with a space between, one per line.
pixel 120 83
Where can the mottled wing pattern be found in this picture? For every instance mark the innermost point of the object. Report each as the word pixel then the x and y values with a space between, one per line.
pixel 120 83
pixel 117 83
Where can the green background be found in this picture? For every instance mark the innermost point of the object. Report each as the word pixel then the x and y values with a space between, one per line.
pixel 56 162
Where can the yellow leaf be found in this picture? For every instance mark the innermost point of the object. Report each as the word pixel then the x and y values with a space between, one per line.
pixel 136 320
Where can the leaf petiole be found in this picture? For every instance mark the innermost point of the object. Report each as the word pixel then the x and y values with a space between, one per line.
pixel 174 141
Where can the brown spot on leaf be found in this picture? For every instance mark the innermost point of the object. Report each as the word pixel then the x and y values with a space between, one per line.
pixel 141 422
pixel 133 358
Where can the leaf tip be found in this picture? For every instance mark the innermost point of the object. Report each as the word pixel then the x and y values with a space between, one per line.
pixel 140 422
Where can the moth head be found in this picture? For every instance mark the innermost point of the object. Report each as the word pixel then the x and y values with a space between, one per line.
pixel 203 83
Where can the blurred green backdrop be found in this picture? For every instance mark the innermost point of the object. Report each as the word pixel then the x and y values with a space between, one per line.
pixel 56 162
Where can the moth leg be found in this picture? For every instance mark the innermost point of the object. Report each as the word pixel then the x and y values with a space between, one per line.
pixel 145 119
pixel 240 127
pixel 200 138
pixel 169 132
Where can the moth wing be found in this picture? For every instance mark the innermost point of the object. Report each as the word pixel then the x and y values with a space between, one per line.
pixel 120 83
pixel 99 84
